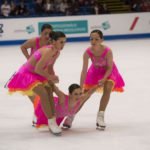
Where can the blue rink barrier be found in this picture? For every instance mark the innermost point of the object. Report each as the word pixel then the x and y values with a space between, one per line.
pixel 83 39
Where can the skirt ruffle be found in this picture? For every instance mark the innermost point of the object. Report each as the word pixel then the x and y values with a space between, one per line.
pixel 100 89
pixel 24 82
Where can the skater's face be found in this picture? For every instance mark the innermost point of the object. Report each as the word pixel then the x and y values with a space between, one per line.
pixel 95 39
pixel 60 43
pixel 45 34
pixel 76 94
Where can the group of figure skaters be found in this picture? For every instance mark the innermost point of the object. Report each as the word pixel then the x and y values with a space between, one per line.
pixel 36 78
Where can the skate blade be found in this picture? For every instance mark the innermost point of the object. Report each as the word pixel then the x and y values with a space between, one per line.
pixel 33 124
pixel 66 127
pixel 56 134
pixel 101 128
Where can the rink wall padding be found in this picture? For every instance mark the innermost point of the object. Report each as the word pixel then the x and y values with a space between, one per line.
pixel 84 39
pixel 77 28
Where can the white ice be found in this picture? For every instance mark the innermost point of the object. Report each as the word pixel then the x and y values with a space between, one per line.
pixel 127 114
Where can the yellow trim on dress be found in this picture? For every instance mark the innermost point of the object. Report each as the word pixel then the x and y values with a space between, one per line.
pixel 28 91
pixel 100 89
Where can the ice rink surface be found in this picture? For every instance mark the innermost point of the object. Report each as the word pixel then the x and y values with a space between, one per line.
pixel 127 115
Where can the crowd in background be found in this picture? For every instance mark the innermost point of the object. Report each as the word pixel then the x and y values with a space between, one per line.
pixel 138 5
pixel 33 8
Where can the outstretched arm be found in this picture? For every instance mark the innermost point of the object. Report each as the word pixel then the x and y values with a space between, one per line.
pixel 86 96
pixel 59 93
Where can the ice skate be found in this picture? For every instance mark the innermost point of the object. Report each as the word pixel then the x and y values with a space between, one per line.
pixel 68 122
pixel 53 127
pixel 34 120
pixel 101 125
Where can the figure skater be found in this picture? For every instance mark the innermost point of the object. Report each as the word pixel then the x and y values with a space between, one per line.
pixel 33 78
pixel 102 71
pixel 65 105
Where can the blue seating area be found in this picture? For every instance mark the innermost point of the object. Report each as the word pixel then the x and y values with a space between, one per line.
pixel 75 8
pixel 30 5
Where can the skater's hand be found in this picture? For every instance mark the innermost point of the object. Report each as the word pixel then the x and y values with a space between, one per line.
pixel 53 79
pixel 101 82
pixel 56 79
pixel 50 82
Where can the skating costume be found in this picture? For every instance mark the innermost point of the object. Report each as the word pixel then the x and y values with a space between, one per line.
pixel 61 111
pixel 37 46
pixel 97 71
pixel 25 80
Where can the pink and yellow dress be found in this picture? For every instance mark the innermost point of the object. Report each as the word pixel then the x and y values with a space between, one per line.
pixel 61 111
pixel 97 71
pixel 25 79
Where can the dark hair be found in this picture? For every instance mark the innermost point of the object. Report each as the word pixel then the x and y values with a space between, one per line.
pixel 55 35
pixel 46 26
pixel 99 33
pixel 72 87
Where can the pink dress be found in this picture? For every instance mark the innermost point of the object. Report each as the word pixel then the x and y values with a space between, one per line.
pixel 97 70
pixel 37 44
pixel 25 79
pixel 61 111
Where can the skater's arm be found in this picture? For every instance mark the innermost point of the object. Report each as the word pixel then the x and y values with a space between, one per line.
pixel 59 93
pixel 39 68
pixel 84 69
pixel 28 44
pixel 87 94
pixel 50 68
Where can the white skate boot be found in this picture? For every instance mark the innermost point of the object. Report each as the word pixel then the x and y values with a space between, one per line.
pixel 100 121
pixel 53 127
pixel 68 122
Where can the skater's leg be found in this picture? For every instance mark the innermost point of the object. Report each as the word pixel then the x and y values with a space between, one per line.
pixel 103 104
pixel 106 95
pixel 48 108
pixel 45 101
pixel 32 99
pixel 51 98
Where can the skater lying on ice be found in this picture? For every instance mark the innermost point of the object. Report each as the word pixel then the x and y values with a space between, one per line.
pixel 65 105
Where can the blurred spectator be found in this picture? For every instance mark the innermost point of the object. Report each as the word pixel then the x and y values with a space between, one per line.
pixel 64 7
pixel 81 3
pixel 99 9
pixel 87 3
pixel 93 2
pixel 13 8
pixel 49 6
pixel 145 5
pixel 136 6
pixel 74 8
pixel 57 6
pixel 70 9
pixel 5 9
pixel 39 7
pixel 22 9
pixel 105 8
